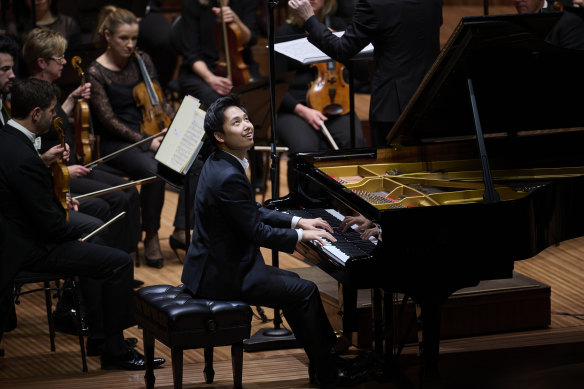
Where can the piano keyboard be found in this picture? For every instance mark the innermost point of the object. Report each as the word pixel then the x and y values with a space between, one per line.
pixel 349 244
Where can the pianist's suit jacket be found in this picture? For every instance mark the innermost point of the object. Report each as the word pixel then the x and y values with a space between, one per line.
pixel 406 39
pixel 224 259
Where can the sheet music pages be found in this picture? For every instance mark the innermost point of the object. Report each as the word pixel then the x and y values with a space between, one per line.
pixel 305 52
pixel 182 142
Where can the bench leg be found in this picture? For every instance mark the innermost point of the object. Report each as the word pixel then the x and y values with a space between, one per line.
pixel 237 364
pixel 177 366
pixel 209 372
pixel 149 358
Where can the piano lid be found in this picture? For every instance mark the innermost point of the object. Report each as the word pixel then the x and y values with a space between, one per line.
pixel 521 83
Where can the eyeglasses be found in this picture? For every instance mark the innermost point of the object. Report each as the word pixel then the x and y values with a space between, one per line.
pixel 58 59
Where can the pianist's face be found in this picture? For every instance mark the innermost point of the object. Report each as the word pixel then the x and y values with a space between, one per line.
pixel 528 6
pixel 237 135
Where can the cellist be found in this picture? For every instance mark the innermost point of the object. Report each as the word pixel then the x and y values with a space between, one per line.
pixel 193 37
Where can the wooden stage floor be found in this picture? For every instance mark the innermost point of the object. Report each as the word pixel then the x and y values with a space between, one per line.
pixel 545 358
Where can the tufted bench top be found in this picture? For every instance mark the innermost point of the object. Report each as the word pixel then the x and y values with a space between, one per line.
pixel 174 308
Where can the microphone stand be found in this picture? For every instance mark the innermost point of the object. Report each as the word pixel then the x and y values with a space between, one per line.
pixel 277 337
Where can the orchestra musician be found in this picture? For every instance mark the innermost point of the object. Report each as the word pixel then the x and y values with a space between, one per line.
pixel 38 235
pixel 299 126
pixel 8 53
pixel 406 38
pixel 43 54
pixel 193 38
pixel 568 32
pixel 113 76
pixel 224 260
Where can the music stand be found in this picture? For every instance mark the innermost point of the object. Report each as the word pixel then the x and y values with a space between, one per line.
pixel 255 97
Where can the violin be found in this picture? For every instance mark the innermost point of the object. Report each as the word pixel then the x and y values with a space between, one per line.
pixel 60 173
pixel 228 38
pixel 84 135
pixel 329 93
pixel 147 96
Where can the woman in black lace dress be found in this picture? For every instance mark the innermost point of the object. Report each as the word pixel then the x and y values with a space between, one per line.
pixel 113 76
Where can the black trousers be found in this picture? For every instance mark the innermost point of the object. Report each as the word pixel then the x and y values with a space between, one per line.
pixel 108 268
pixel 125 233
pixel 300 301
pixel 193 85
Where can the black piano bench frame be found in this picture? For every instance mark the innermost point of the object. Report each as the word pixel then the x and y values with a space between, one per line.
pixel 180 321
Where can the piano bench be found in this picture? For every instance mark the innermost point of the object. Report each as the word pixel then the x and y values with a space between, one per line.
pixel 181 322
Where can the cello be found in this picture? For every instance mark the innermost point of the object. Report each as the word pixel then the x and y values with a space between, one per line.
pixel 229 41
pixel 84 135
pixel 147 96
pixel 60 172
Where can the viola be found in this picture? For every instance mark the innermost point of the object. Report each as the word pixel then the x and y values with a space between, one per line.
pixel 228 38
pixel 329 93
pixel 60 173
pixel 84 135
pixel 147 96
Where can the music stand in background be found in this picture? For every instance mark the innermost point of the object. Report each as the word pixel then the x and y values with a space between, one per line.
pixel 277 337
pixel 256 99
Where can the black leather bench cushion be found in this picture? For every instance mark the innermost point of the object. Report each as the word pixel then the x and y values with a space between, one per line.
pixel 172 308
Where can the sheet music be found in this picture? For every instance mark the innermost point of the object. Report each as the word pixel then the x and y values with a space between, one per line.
pixel 183 140
pixel 305 52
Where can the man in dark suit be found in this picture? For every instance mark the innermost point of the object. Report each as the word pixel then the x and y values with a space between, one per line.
pixel 568 32
pixel 406 38
pixel 224 259
pixel 8 52
pixel 37 235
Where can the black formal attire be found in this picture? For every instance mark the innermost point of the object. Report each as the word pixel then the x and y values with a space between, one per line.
pixel 40 239
pixel 568 32
pixel 192 36
pixel 117 119
pixel 224 259
pixel 406 39
pixel 125 233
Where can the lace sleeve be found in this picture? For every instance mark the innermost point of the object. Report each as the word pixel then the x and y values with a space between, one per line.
pixel 102 108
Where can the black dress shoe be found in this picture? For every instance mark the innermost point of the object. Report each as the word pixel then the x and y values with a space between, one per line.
pixel 137 283
pixel 157 263
pixel 131 360
pixel 95 346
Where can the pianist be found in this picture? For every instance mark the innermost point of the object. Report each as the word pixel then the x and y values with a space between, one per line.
pixel 224 259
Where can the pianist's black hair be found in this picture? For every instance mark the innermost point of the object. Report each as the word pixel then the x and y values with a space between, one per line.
pixel 215 116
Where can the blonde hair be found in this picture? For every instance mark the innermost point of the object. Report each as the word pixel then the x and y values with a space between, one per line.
pixel 329 7
pixel 110 17
pixel 42 43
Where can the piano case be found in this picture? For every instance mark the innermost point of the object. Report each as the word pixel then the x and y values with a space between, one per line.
pixel 493 306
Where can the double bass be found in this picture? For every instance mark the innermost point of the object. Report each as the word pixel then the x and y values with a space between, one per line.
pixel 228 38
pixel 60 172
pixel 84 135
pixel 147 96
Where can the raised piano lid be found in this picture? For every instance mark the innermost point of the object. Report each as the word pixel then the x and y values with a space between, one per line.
pixel 521 82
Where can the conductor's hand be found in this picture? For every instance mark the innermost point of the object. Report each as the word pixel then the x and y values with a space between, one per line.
pixel 302 8
pixel 311 224
pixel 220 85
pixel 318 235
pixel 361 221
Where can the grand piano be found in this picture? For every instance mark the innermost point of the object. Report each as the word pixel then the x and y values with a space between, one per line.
pixel 484 167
